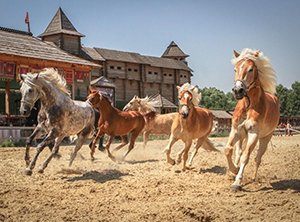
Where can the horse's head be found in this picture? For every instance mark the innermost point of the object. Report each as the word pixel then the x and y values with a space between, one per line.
pixel 30 93
pixel 246 75
pixel 94 98
pixel 133 105
pixel 185 102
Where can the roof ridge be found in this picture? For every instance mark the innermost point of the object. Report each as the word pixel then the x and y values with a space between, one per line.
pixel 15 31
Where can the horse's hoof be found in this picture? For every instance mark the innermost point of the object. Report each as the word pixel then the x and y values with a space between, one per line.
pixel 92 159
pixel 28 172
pixel 236 188
pixel 41 171
pixel 171 161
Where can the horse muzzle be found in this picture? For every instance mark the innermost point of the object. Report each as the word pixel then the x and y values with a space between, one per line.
pixel 25 111
pixel 184 112
pixel 239 90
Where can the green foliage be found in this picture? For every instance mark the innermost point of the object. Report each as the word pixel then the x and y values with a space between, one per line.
pixel 11 143
pixel 213 98
pixel 289 99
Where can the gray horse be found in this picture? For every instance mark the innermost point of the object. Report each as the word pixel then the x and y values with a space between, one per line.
pixel 62 116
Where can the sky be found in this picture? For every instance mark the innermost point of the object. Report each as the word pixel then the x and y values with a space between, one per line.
pixel 206 30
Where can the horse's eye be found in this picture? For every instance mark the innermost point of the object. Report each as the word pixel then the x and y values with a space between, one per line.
pixel 250 70
pixel 234 70
pixel 30 90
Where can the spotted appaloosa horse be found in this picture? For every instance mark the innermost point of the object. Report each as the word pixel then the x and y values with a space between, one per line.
pixel 63 116
pixel 256 114
pixel 114 122
pixel 191 122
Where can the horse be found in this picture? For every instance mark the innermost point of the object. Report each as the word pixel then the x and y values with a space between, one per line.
pixel 159 124
pixel 114 122
pixel 63 116
pixel 191 122
pixel 256 114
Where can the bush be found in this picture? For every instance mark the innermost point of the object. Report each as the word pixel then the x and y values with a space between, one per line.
pixel 11 143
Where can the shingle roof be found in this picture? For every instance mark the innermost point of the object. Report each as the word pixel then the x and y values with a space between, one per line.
pixel 60 24
pixel 133 57
pixel 14 42
pixel 102 81
pixel 161 102
pixel 92 54
pixel 221 114
pixel 174 51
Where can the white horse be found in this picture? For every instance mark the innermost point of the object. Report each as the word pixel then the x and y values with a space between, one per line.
pixel 63 116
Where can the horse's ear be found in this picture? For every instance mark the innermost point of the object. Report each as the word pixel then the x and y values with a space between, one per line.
pixel 236 54
pixel 257 53
pixel 37 76
pixel 22 76
pixel 178 87
pixel 135 97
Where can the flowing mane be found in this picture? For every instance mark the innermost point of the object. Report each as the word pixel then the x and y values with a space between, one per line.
pixel 147 104
pixel 50 75
pixel 266 73
pixel 195 92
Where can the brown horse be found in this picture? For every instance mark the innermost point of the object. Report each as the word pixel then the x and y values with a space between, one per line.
pixel 192 122
pixel 158 124
pixel 114 122
pixel 256 114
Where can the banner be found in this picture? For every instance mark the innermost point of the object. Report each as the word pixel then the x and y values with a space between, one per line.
pixel 7 70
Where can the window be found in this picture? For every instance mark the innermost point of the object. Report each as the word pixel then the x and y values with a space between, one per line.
pixel 165 74
pixel 119 67
pixel 135 70
pixel 170 74
pixel 149 72
pixel 111 67
pixel 181 76
pixel 184 76
pixel 129 69
pixel 155 73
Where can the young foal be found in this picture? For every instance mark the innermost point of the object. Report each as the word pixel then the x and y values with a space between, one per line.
pixel 256 114
pixel 114 122
pixel 190 123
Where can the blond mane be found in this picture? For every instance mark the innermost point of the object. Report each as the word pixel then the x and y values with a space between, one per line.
pixel 50 75
pixel 192 89
pixel 266 73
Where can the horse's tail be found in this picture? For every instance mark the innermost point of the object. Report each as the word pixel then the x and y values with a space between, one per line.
pixel 209 146
pixel 149 116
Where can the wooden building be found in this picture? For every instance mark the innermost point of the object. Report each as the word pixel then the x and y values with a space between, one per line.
pixel 162 105
pixel 131 73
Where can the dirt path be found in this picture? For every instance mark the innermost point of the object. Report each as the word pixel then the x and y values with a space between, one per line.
pixel 145 188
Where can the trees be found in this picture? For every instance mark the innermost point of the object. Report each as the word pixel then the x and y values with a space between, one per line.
pixel 213 98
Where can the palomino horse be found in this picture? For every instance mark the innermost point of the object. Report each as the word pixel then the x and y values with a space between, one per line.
pixel 192 122
pixel 114 122
pixel 159 124
pixel 256 114
pixel 63 116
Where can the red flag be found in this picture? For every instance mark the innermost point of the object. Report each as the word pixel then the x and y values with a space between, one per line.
pixel 27 18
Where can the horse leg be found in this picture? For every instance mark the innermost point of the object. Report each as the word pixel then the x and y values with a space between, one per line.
pixel 263 144
pixel 77 147
pixel 179 156
pixel 145 138
pixel 54 151
pixel 39 149
pixel 172 140
pixel 186 154
pixel 133 137
pixel 252 141
pixel 107 146
pixel 196 148
pixel 233 138
pixel 239 147
pixel 124 143
pixel 99 134
pixel 29 140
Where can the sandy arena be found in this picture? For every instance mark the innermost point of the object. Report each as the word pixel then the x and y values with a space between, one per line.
pixel 146 188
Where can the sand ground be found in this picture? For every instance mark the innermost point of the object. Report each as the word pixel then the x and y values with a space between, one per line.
pixel 146 188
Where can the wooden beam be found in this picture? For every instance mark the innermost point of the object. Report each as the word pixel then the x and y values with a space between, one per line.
pixel 7 97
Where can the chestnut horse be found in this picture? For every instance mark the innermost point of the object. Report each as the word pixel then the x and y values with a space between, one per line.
pixel 158 124
pixel 114 122
pixel 256 114
pixel 192 122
